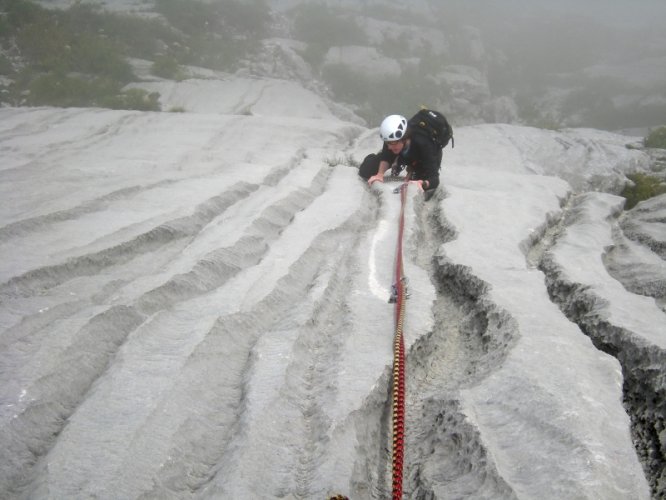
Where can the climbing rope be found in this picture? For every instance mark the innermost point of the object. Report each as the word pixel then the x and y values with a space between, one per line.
pixel 398 399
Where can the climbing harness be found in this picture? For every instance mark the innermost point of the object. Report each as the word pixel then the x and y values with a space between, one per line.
pixel 398 296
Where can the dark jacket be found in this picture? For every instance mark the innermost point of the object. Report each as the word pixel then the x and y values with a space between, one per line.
pixel 423 159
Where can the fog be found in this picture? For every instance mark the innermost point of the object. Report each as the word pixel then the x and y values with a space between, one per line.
pixel 597 64
pixel 593 64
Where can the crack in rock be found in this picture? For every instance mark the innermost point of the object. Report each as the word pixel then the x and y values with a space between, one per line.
pixel 643 364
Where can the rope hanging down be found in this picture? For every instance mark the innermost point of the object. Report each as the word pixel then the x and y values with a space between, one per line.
pixel 398 399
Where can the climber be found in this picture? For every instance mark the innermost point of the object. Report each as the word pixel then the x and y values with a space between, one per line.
pixel 405 149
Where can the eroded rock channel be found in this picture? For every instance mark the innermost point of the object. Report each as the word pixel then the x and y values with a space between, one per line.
pixel 643 363
pixel 446 456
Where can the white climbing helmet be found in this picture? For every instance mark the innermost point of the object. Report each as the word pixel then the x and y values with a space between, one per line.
pixel 393 128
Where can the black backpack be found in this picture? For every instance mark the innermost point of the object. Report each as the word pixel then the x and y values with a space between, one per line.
pixel 434 125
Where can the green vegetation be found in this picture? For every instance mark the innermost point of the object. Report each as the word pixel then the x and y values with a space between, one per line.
pixel 642 187
pixel 64 58
pixel 656 138
pixel 215 35
pixel 167 67
pixel 5 65
pixel 322 28
pixel 326 26
pixel 596 97
pixel 533 116
pixel 347 160
pixel 378 94
pixel 222 17
pixel 79 56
